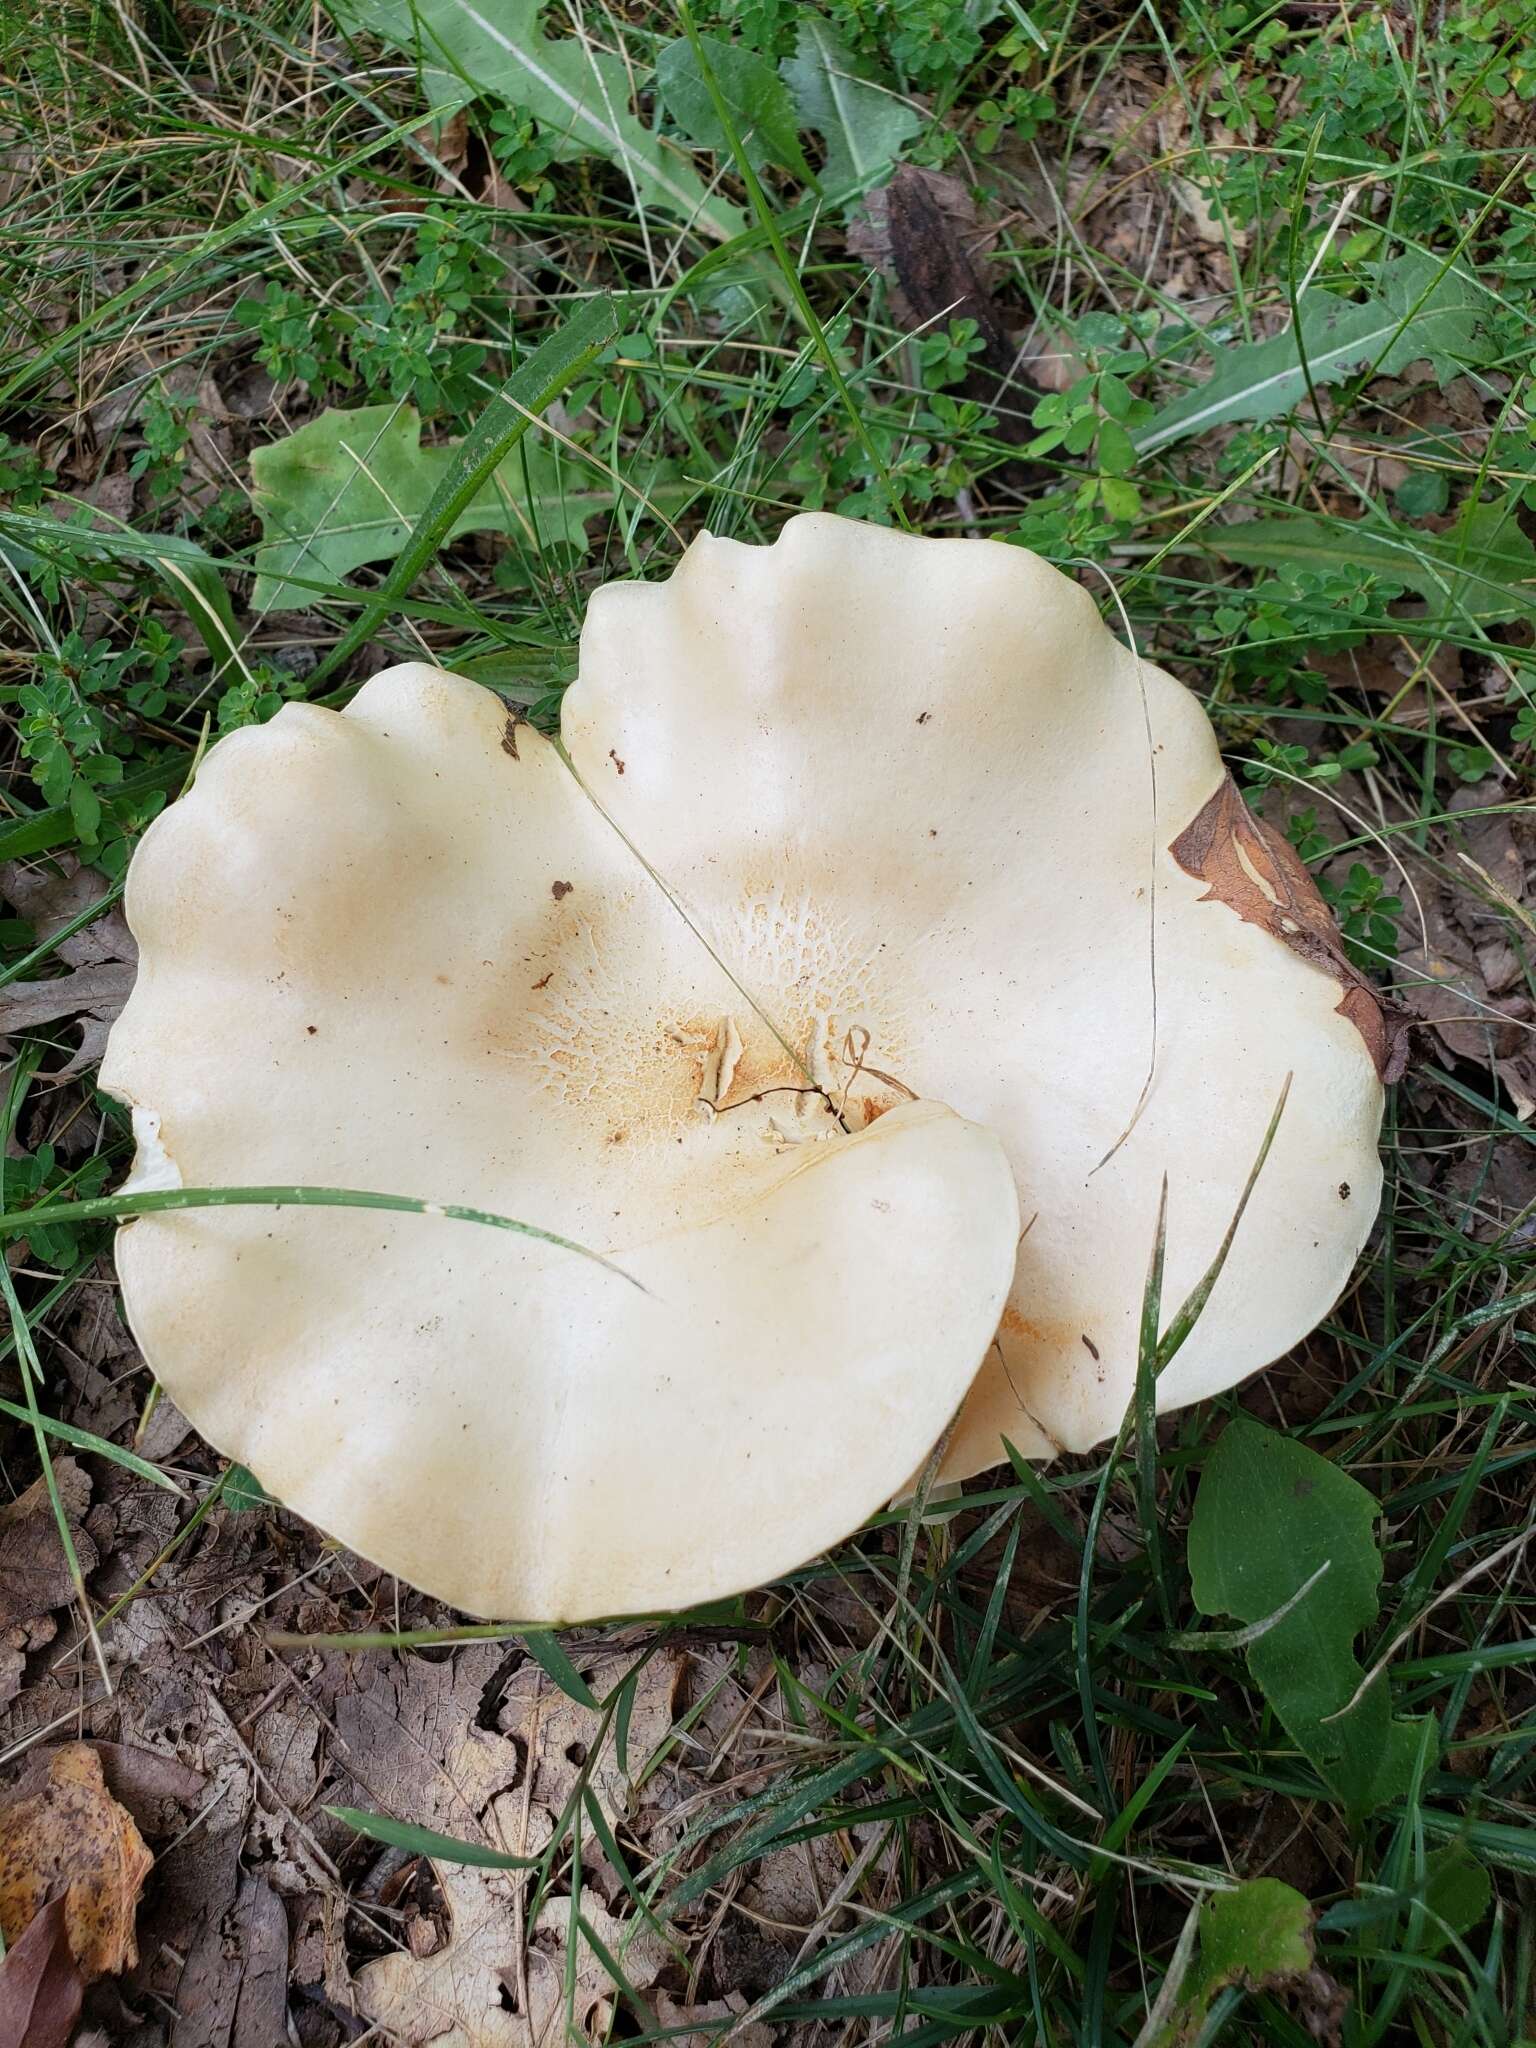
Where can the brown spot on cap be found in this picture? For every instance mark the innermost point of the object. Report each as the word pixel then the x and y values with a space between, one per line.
pixel 546 981
pixel 1255 870
pixel 613 757
pixel 559 889
pixel 1089 1346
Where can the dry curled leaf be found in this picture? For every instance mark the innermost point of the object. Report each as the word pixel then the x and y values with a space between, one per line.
pixel 102 953
pixel 467 1995
pixel 1256 872
pixel 40 1985
pixel 34 1572
pixel 922 232
pixel 72 1841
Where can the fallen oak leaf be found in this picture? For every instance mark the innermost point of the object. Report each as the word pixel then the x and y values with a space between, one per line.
pixel 51 895
pixel 459 1996
pixel 102 953
pixel 72 1843
pixel 40 1985
pixel 99 991
pixel 34 1571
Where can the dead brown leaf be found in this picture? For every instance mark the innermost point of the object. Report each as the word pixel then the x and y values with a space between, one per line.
pixel 49 896
pixel 460 1996
pixel 1227 847
pixel 99 991
pixel 73 1840
pixel 1455 977
pixel 102 953
pixel 465 1748
pixel 40 1985
pixel 34 1572
pixel 921 231
pixel 16 1645
pixel 234 1990
pixel 711 2023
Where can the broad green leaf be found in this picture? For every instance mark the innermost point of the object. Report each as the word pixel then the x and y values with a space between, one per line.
pixel 577 90
pixel 1456 1896
pixel 348 488
pixel 864 125
pixel 757 97
pixel 1271 1515
pixel 1483 568
pixel 404 1834
pixel 1416 314
pixel 1259 1936
pixel 527 393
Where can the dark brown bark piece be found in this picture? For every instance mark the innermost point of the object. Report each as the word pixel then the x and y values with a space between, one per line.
pixel 914 230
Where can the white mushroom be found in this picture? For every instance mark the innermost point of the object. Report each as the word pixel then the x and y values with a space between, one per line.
pixel 399 950
pixel 905 787
pixel 858 825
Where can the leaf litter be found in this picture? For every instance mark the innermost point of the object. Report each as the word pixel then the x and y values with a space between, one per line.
pixel 237 1750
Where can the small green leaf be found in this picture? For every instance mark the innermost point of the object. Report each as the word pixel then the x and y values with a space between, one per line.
pixel 546 1652
pixel 1117 451
pixel 85 809
pixel 348 487
pixel 1122 500
pixel 1422 492
pixel 1270 1515
pixel 754 93
pixel 1258 1936
pixel 1456 1896
pixel 864 125
pixel 243 1491
pixel 404 1834
pixel 1115 396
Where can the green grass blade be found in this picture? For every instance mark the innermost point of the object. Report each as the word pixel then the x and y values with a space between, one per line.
pixel 165 1201
pixel 98 1446
pixel 404 1834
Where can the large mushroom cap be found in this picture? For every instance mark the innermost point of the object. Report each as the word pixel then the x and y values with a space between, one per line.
pixel 906 786
pixel 398 949
pixel 850 827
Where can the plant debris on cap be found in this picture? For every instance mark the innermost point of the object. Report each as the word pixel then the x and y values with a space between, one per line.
pixel 847 828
